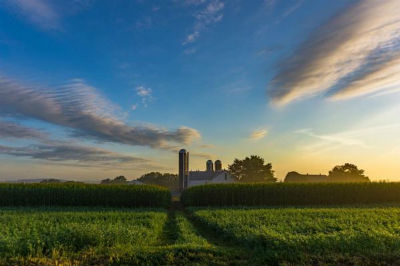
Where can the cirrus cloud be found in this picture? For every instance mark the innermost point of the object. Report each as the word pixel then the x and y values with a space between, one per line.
pixel 80 109
pixel 355 53
pixel 258 134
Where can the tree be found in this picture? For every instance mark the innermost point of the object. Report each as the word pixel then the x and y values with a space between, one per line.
pixel 118 180
pixel 347 173
pixel 252 169
pixel 156 178
pixel 50 180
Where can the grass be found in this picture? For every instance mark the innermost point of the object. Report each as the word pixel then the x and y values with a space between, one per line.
pixel 309 236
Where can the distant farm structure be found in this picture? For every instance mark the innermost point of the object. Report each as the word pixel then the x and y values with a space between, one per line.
pixel 214 174
pixel 295 177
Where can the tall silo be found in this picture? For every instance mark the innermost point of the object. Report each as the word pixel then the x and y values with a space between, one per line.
pixel 183 169
pixel 218 165
pixel 209 166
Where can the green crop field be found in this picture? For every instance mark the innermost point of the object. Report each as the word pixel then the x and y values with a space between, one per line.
pixel 105 236
pixel 198 236
pixel 44 225
pixel 309 236
pixel 77 194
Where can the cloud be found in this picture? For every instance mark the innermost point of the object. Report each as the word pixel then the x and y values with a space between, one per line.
pixel 80 109
pixel 46 14
pixel 348 138
pixel 191 37
pixel 269 3
pixel 258 134
pixel 211 14
pixel 145 94
pixel 355 53
pixel 290 10
pixel 192 2
pixel 14 130
pixel 38 12
pixel 190 51
pixel 76 156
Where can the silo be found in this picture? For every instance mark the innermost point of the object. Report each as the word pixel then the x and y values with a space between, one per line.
pixel 218 165
pixel 209 166
pixel 183 169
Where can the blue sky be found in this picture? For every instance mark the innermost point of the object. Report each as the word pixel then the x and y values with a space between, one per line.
pixel 92 89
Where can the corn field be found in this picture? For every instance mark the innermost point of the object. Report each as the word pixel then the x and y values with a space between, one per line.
pixel 83 195
pixel 284 194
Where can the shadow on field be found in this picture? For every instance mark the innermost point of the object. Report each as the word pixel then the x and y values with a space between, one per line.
pixel 212 237
pixel 170 230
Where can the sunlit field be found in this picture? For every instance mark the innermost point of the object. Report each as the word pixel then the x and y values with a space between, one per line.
pixel 359 235
pixel 362 235
pixel 313 224
pixel 65 235
pixel 103 236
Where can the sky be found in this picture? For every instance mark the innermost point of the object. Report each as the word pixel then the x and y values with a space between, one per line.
pixel 92 89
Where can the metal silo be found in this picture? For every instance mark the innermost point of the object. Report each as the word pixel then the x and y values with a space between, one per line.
pixel 209 166
pixel 218 165
pixel 183 169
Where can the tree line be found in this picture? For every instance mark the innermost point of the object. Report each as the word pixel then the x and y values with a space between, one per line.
pixel 252 169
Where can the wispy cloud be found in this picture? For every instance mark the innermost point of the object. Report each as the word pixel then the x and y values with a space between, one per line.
pixel 80 109
pixel 191 37
pixel 15 130
pixel 145 94
pixel 362 139
pixel 290 10
pixel 75 155
pixel 348 138
pixel 46 14
pixel 269 3
pixel 210 14
pixel 39 12
pixel 355 53
pixel 190 51
pixel 258 134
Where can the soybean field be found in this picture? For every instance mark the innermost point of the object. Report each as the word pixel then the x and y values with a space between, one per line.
pixel 309 236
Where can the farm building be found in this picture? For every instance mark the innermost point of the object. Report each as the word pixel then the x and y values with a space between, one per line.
pixel 294 177
pixel 214 174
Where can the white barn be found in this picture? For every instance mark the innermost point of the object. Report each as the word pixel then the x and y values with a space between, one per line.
pixel 210 176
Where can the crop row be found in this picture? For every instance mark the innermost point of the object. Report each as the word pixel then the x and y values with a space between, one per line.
pixel 73 194
pixel 310 236
pixel 284 194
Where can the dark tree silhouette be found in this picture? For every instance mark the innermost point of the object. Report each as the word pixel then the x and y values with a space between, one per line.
pixel 118 180
pixel 347 173
pixel 252 169
pixel 156 178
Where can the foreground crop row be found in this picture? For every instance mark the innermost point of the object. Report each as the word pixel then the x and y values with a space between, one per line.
pixel 103 236
pixel 350 236
pixel 227 236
